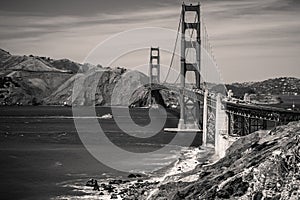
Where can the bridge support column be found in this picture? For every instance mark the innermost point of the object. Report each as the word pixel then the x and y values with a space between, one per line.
pixel 217 125
pixel 205 113
pixel 154 71
pixel 189 108
pixel 221 129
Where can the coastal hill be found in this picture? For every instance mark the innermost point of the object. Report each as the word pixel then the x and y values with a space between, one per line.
pixel 34 80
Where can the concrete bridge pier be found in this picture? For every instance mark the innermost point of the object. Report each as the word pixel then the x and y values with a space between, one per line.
pixel 221 129
pixel 204 135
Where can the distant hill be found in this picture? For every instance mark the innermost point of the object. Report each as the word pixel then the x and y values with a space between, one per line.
pixel 34 80
pixel 271 87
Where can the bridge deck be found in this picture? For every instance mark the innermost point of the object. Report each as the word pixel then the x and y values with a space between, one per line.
pixel 260 107
pixel 177 130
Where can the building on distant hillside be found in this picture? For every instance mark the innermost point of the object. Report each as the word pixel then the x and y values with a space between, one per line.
pixel 229 94
pixel 247 98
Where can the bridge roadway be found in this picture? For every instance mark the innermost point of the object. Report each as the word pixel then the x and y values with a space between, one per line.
pixel 235 106
pixel 261 111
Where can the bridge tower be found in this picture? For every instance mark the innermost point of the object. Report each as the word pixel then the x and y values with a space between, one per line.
pixel 154 71
pixel 189 108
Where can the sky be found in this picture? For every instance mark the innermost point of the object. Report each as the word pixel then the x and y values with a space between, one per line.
pixel 252 39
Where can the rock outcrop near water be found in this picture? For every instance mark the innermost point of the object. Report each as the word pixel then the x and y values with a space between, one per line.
pixel 262 165
pixel 98 87
pixel 33 80
pixel 164 97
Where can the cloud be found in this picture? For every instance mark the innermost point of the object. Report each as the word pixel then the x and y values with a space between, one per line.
pixel 255 40
pixel 247 35
pixel 79 7
pixel 19 23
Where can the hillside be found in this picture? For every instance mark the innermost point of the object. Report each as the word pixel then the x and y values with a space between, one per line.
pixel 34 80
pixel 281 92
pixel 109 88
pixel 276 86
pixel 262 165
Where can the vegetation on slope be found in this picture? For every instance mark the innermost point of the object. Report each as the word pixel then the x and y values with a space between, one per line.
pixel 33 80
pixel 262 165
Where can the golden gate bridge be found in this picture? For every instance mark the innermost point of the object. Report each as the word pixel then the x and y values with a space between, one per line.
pixel 201 110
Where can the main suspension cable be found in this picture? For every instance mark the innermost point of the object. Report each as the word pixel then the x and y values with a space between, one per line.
pixel 174 50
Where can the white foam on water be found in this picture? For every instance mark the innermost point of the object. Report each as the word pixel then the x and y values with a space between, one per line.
pixel 187 162
pixel 106 116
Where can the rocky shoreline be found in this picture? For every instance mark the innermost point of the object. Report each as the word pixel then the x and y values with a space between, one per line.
pixel 262 165
pixel 140 186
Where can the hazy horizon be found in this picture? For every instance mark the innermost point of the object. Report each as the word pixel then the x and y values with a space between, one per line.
pixel 253 40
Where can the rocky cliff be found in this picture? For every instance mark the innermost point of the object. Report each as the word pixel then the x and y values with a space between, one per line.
pixel 262 165
pixel 164 97
pixel 98 87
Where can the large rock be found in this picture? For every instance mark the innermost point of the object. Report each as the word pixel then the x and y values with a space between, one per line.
pixel 165 97
pixel 98 87
pixel 126 86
